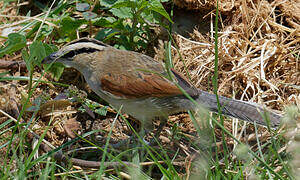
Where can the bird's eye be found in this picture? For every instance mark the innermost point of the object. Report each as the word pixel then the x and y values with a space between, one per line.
pixel 86 50
pixel 75 52
pixel 70 54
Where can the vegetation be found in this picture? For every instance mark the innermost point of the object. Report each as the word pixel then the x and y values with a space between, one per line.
pixel 210 150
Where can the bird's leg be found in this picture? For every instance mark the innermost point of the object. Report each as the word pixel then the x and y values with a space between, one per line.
pixel 147 128
pixel 133 140
pixel 162 123
pixel 123 144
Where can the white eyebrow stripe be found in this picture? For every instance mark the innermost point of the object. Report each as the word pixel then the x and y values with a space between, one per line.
pixel 81 45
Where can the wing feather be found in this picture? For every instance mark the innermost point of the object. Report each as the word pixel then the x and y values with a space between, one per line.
pixel 138 87
pixel 140 78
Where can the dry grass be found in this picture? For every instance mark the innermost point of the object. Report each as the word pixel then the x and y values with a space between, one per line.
pixel 259 49
pixel 258 54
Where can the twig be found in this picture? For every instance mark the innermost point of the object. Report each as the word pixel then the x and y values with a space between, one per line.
pixel 31 132
pixel 59 156
pixel 12 65
pixel 25 18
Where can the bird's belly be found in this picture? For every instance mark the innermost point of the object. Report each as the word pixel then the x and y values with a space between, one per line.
pixel 147 109
pixel 143 110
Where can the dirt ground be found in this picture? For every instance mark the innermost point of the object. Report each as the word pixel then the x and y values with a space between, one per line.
pixel 259 48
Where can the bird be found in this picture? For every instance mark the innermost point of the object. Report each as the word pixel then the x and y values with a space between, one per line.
pixel 143 88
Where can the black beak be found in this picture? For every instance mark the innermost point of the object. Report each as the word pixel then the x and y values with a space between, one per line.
pixel 49 59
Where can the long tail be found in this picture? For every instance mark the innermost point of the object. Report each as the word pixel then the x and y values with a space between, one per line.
pixel 239 109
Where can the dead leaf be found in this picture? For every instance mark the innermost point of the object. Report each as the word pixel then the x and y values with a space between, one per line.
pixel 71 126
pixel 54 105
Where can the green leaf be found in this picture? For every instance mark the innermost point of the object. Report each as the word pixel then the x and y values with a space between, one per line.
pixel 59 9
pixel 124 12
pixel 101 111
pixel 123 4
pixel 142 5
pixel 56 70
pixel 14 43
pixel 50 48
pixel 69 26
pixel 104 21
pixel 82 7
pixel 106 34
pixel 25 55
pixel 156 6
pixel 33 30
pixel 46 30
pixel 108 3
pixel 89 15
pixel 37 53
pixel 154 17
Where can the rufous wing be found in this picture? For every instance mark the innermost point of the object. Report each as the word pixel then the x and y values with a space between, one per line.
pixel 142 85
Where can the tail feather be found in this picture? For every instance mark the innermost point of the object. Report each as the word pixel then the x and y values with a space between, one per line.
pixel 239 109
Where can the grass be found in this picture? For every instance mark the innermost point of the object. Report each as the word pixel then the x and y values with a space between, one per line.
pixel 205 152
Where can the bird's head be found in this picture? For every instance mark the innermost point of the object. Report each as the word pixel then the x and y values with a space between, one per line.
pixel 77 54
